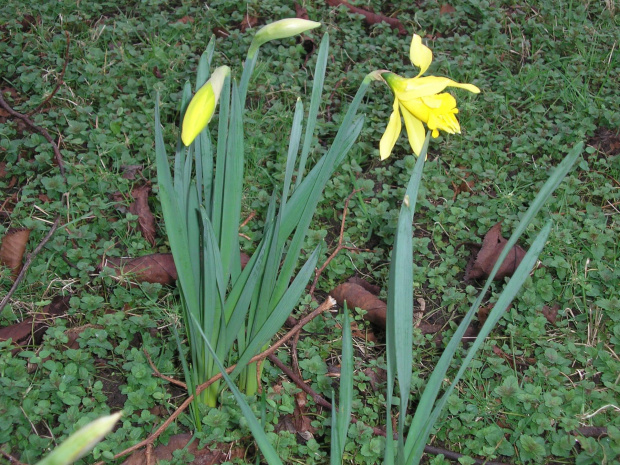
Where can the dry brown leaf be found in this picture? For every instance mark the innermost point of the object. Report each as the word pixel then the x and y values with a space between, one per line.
pixel 299 422
pixel 140 208
pixel 372 288
pixel 376 377
pixel 30 331
pixel 356 296
pixel 492 246
pixel 154 268
pixel 12 249
pixel 179 441
pixel 186 19
pixel 248 22
pixel 301 12
pixel 131 171
pixel 446 9
pixel 551 313
pixel 369 16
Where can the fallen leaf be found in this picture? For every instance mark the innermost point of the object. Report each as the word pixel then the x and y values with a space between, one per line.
pixel 446 9
pixel 12 249
pixel 140 208
pixel 31 330
pixel 219 454
pixel 301 12
pixel 376 377
pixel 2 163
pixel 551 313
pixel 372 288
pixel 154 268
pixel 299 422
pixel 492 246
pixel 356 296
pixel 248 22
pixel 369 16
pixel 131 171
pixel 186 19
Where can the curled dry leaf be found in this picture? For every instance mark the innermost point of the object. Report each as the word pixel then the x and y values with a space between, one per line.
pixel 12 249
pixel 248 22
pixel 301 12
pixel 492 246
pixel 299 422
pixel 131 171
pixel 204 456
pixel 154 268
pixel 356 296
pixel 31 330
pixel 140 208
pixel 551 313
pixel 372 288
pixel 370 17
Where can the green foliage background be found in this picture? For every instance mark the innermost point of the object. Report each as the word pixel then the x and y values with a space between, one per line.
pixel 549 78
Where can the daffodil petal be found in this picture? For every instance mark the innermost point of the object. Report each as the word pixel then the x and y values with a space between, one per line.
pixel 421 56
pixel 392 131
pixel 430 85
pixel 415 131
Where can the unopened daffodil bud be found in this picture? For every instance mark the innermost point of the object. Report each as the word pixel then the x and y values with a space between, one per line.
pixel 280 30
pixel 81 442
pixel 202 106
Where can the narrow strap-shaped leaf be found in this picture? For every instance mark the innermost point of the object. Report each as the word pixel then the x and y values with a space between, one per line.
pixel 399 320
pixel 315 100
pixel 173 217
pixel 204 64
pixel 220 160
pixel 507 295
pixel 435 381
pixel 233 189
pixel 181 150
pixel 280 313
pixel 248 69
pixel 293 149
pixel 346 382
pixel 292 255
pixel 257 431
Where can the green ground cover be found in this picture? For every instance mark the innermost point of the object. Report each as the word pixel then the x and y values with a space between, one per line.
pixel 549 79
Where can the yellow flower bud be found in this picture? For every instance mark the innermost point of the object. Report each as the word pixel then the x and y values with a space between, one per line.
pixel 202 106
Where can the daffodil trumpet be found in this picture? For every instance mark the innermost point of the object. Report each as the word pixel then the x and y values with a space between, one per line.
pixel 421 101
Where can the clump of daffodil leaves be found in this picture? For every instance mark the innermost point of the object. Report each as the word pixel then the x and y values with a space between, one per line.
pixel 421 100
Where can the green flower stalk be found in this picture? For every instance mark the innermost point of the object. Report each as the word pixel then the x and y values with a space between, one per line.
pixel 280 30
pixel 202 107
pixel 421 100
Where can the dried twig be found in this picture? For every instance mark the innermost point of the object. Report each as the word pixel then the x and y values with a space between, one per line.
pixel 326 305
pixel 38 129
pixel 10 458
pixel 157 373
pixel 59 82
pixel 340 245
pixel 31 256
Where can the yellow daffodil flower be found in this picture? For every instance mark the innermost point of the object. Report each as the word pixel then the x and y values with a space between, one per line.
pixel 202 106
pixel 280 30
pixel 420 101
